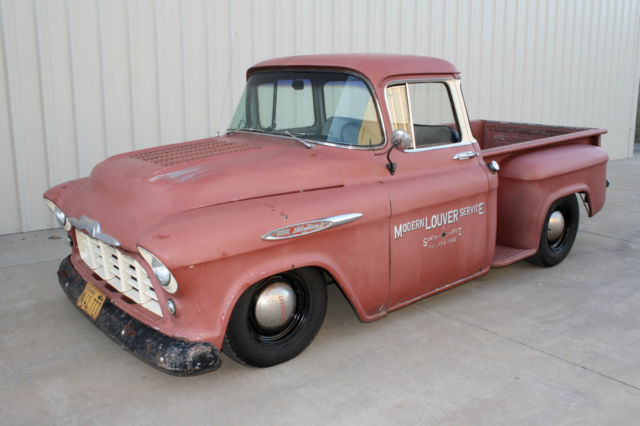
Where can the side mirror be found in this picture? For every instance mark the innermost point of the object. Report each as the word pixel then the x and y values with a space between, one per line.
pixel 401 139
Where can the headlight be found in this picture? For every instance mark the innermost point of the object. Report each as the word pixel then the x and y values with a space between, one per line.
pixel 162 273
pixel 61 218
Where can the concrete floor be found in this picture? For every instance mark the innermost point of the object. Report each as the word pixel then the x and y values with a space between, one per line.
pixel 521 345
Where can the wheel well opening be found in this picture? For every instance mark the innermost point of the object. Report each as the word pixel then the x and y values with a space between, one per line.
pixel 329 279
pixel 586 202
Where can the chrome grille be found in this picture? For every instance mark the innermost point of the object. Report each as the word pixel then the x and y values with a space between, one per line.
pixel 121 271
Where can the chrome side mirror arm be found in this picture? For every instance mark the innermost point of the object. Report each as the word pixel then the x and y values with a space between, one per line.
pixel 400 140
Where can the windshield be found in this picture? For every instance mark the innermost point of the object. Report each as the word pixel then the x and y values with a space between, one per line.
pixel 322 106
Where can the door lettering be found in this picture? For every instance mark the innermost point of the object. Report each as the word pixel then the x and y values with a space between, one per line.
pixel 437 220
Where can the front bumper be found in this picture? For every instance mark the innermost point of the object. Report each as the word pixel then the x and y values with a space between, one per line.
pixel 169 354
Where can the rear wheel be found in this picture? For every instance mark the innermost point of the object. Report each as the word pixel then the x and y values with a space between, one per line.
pixel 276 319
pixel 558 233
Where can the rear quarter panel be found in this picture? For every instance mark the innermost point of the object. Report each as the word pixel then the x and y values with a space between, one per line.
pixel 531 182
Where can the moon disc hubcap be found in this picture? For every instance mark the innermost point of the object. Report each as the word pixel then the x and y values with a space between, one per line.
pixel 555 226
pixel 275 306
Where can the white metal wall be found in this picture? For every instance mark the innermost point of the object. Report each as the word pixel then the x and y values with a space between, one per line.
pixel 84 79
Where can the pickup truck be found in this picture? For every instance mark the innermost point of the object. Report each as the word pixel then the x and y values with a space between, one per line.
pixel 361 171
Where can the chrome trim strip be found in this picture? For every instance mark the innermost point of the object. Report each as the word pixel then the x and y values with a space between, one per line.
pixel 312 226
pixel 314 141
pixel 443 146
pixel 92 227
pixel 410 107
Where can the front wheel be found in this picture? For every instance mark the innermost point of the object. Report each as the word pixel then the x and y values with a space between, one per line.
pixel 276 319
pixel 558 233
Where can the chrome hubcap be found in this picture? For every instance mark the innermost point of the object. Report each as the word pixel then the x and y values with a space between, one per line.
pixel 275 306
pixel 555 226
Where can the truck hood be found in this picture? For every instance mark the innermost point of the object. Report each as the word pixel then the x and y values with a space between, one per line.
pixel 130 192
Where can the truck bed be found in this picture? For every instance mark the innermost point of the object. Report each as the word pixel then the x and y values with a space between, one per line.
pixel 499 139
pixel 527 165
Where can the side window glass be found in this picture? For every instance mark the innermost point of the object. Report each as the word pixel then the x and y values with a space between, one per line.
pixel 425 111
pixel 434 119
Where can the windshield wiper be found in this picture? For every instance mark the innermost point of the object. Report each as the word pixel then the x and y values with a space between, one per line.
pixel 296 137
pixel 246 129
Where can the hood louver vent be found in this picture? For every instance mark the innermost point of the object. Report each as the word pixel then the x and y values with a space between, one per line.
pixel 182 154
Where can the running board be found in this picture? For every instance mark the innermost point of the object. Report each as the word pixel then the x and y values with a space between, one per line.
pixel 504 256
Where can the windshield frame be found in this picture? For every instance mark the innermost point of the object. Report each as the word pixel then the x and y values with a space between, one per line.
pixel 359 76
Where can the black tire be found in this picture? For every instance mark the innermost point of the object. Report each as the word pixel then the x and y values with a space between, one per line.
pixel 553 249
pixel 248 342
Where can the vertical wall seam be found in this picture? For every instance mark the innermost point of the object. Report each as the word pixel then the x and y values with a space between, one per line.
pixel 185 69
pixel 596 15
pixel 497 73
pixel 209 67
pixel 228 90
pixel 615 54
pixel 132 70
pixel 159 75
pixel 104 93
pixel 291 27
pixel 74 96
pixel 48 121
pixel 525 63
pixel 20 202
pixel 544 106
pixel 559 90
pixel 606 59
pixel 579 66
pixel 369 15
pixel 514 58
pixel 636 75
pixel 445 33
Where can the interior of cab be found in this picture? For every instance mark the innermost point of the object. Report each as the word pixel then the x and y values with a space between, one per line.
pixel 428 135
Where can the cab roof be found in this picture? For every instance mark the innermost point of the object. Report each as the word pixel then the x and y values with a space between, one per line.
pixel 376 67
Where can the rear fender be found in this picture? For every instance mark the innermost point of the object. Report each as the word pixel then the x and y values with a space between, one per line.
pixel 531 182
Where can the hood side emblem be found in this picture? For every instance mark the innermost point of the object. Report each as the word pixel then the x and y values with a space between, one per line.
pixel 310 227
pixel 92 227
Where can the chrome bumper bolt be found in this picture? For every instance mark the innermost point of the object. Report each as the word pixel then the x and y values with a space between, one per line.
pixel 171 307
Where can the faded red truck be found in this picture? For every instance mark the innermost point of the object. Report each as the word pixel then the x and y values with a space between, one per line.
pixel 359 170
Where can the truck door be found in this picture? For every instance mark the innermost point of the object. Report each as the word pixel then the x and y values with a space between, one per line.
pixel 438 194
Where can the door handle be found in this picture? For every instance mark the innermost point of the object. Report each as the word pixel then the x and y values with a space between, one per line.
pixel 465 155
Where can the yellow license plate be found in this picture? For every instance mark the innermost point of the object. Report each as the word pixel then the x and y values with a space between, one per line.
pixel 91 301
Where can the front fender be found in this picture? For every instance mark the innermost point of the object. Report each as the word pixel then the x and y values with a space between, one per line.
pixel 60 193
pixel 216 253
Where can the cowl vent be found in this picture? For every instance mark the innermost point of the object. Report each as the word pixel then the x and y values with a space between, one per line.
pixel 172 155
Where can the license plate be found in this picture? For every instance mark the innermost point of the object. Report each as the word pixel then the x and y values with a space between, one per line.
pixel 91 301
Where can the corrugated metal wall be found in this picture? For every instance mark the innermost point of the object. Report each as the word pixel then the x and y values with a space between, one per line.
pixel 84 79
